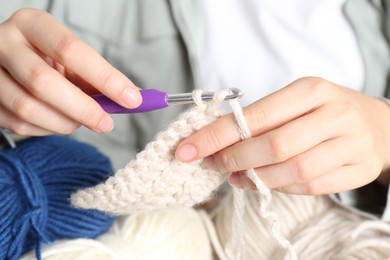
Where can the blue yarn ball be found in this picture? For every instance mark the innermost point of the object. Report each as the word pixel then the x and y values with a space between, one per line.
pixel 36 181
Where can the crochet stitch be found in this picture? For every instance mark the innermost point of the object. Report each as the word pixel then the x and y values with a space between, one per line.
pixel 156 179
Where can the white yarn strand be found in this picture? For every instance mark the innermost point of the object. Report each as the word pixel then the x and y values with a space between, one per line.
pixel 316 226
pixel 235 245
pixel 213 236
pixel 265 195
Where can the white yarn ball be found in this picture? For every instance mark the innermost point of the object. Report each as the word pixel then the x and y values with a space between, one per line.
pixel 164 234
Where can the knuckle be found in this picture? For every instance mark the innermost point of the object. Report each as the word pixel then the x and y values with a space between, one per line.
pixel 345 109
pixel 213 140
pixel 108 79
pixel 89 115
pixel 20 128
pixel 228 161
pixel 317 82
pixel 8 34
pixel 26 15
pixel 38 78
pixel 256 119
pixel 317 86
pixel 67 48
pixel 22 14
pixel 346 115
pixel 278 148
pixel 23 107
pixel 303 170
pixel 68 128
pixel 351 113
pixel 311 188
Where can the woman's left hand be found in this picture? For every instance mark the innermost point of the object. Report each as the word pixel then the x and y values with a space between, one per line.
pixel 310 137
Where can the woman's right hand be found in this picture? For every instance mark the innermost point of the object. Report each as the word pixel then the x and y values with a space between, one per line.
pixel 47 74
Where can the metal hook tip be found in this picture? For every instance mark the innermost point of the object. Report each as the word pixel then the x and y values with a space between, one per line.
pixel 236 93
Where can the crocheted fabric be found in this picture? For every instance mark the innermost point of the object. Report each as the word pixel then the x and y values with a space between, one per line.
pixel 155 178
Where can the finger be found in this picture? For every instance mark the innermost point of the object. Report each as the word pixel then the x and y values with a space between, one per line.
pixel 81 83
pixel 52 88
pixel 31 110
pixel 283 143
pixel 78 57
pixel 270 112
pixel 71 76
pixel 20 127
pixel 322 159
pixel 342 179
pixel 208 140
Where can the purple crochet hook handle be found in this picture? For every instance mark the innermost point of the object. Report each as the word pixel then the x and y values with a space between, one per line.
pixel 152 99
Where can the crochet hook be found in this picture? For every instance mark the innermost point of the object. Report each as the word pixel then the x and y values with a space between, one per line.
pixel 154 99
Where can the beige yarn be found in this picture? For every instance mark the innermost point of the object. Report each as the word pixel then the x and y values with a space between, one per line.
pixel 156 179
pixel 235 246
pixel 316 226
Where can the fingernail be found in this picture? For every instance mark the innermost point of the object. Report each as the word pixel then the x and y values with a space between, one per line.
pixel 241 181
pixel 105 125
pixel 186 152
pixel 131 98
pixel 209 163
pixel 235 180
